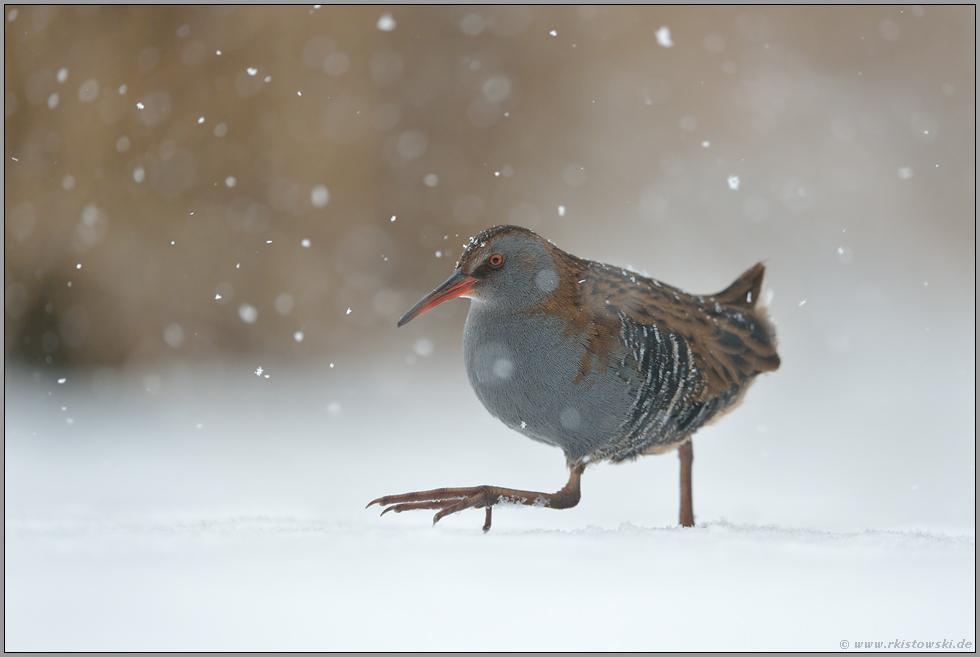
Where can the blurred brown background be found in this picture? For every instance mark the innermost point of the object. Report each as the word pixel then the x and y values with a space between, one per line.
pixel 158 158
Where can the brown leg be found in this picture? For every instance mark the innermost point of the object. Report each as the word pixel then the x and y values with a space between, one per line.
pixel 686 454
pixel 454 500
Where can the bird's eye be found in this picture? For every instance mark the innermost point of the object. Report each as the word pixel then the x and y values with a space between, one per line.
pixel 496 260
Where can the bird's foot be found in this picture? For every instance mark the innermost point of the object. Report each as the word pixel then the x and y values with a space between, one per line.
pixel 454 500
pixel 447 500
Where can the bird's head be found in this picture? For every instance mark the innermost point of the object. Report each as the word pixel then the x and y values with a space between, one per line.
pixel 507 266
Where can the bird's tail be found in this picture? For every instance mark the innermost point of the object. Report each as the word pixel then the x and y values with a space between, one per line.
pixel 744 292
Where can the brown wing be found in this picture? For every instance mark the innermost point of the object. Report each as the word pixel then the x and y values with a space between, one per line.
pixel 730 338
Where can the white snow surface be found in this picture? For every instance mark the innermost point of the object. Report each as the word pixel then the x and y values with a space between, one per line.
pixel 226 512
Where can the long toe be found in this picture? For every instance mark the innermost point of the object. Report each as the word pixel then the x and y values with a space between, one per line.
pixel 481 498
pixel 411 506
pixel 425 496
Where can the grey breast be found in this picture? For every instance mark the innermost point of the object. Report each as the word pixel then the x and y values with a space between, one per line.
pixel 523 368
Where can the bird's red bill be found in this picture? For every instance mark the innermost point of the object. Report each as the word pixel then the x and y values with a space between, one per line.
pixel 455 286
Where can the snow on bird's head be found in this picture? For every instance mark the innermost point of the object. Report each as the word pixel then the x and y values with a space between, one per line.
pixel 489 235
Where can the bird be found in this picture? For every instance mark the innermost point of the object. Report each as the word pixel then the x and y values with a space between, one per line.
pixel 597 360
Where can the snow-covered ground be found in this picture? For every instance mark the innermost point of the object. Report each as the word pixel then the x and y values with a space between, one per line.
pixel 225 511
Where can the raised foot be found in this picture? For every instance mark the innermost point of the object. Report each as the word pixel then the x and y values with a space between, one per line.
pixel 447 500
pixel 454 500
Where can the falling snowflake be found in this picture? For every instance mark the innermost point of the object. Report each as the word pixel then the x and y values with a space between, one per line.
pixel 387 23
